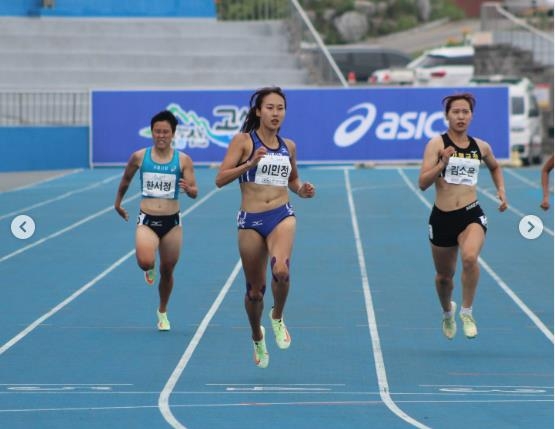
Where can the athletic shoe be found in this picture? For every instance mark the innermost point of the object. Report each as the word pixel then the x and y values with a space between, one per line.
pixel 449 325
pixel 283 339
pixel 261 356
pixel 469 325
pixel 163 322
pixel 150 276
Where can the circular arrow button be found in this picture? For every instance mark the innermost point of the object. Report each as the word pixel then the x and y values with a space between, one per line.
pixel 530 227
pixel 23 227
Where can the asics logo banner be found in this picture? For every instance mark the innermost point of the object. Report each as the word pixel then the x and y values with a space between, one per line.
pixel 411 125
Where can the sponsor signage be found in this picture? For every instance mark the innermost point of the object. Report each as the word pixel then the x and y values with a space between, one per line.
pixel 335 125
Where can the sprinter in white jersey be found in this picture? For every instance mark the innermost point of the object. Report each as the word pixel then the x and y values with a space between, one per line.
pixel 265 165
pixel 452 163
pixel 164 172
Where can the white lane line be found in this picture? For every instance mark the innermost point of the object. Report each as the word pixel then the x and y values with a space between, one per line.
pixel 163 400
pixel 258 404
pixel 60 197
pixel 273 384
pixel 535 319
pixel 523 179
pixel 64 230
pixel 88 285
pixel 40 182
pixel 62 304
pixel 372 323
pixel 511 208
pixel 440 392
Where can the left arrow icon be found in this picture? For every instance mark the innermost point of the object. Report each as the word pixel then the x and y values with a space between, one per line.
pixel 23 227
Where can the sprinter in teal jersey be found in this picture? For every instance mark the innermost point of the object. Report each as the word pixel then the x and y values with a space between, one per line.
pixel 164 171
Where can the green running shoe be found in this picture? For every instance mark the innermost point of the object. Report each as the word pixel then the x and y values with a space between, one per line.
pixel 469 325
pixel 283 339
pixel 449 325
pixel 163 322
pixel 261 356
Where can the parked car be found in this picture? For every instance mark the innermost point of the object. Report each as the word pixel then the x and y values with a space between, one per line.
pixel 393 76
pixel 525 118
pixel 359 61
pixel 447 66
pixel 528 7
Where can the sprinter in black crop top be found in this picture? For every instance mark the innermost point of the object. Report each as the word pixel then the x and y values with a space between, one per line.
pixel 451 162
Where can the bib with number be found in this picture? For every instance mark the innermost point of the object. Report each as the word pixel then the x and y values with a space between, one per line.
pixel 159 185
pixel 464 165
pixel 160 180
pixel 462 171
pixel 273 170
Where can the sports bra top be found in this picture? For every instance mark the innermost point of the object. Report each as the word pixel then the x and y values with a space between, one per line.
pixel 464 165
pixel 273 169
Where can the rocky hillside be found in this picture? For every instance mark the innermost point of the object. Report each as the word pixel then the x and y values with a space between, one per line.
pixel 351 21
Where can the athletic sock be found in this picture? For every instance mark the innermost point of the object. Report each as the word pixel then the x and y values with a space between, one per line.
pixel 465 310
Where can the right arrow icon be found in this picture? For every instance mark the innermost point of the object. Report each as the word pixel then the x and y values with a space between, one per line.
pixel 530 227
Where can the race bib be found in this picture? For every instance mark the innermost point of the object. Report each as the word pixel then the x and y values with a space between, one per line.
pixel 159 185
pixel 462 171
pixel 273 170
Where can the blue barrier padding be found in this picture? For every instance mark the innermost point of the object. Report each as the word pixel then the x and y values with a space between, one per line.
pixel 43 148
pixel 111 8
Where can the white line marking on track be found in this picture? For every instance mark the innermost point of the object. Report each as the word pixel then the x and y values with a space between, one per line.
pixel 66 384
pixel 32 185
pixel 537 321
pixel 266 404
pixel 163 400
pixel 274 384
pixel 372 323
pixel 59 197
pixel 62 304
pixel 511 208
pixel 527 181
pixel 109 390
pixel 278 389
pixel 487 386
pixel 541 326
pixel 88 285
pixel 64 230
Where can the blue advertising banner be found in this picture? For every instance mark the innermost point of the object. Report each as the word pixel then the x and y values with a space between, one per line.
pixel 334 125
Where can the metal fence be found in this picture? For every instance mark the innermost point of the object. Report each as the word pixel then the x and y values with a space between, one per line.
pixel 505 28
pixel 48 108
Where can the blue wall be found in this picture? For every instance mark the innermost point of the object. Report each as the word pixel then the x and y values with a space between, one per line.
pixel 43 148
pixel 112 8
